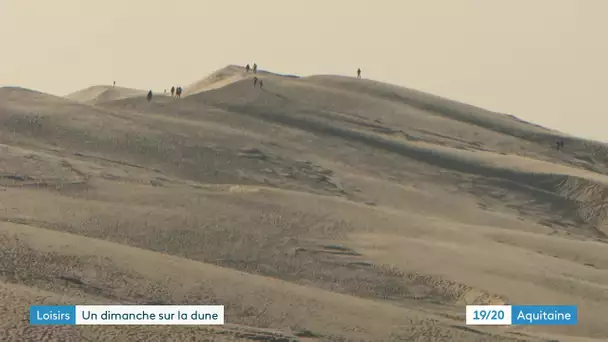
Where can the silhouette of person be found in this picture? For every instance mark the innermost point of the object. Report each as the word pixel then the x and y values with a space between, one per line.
pixel 255 68
pixel 359 73
pixel 114 84
pixel 179 92
pixel 149 95
pixel 247 68
pixel 559 144
pixel 261 84
pixel 255 81
pixel 172 90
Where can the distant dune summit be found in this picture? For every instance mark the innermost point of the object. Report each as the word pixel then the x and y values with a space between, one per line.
pixel 233 82
pixel 217 79
pixel 103 93
pixel 226 76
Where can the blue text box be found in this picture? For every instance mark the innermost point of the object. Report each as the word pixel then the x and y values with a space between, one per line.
pixel 544 315
pixel 52 315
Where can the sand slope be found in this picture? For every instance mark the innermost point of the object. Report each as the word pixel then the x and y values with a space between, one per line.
pixel 318 208
pixel 98 94
pixel 218 79
pixel 226 76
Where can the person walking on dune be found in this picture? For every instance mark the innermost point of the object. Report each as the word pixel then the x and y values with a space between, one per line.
pixel 559 144
pixel 172 91
pixel 149 96
pixel 178 92
pixel 255 68
pixel 359 73
pixel 247 67
pixel 255 81
pixel 261 84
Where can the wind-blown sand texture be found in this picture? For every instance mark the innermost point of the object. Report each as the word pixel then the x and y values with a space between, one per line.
pixel 321 208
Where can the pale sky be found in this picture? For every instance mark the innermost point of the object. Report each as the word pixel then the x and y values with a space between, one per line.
pixel 541 60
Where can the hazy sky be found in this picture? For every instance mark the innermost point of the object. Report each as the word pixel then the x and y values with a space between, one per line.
pixel 541 60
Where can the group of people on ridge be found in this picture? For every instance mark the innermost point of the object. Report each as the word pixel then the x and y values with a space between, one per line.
pixel 177 92
pixel 255 71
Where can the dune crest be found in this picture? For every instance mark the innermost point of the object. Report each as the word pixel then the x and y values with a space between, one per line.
pixel 101 93
pixel 226 76
pixel 217 79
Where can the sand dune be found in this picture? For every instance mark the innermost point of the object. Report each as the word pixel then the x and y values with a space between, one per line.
pixel 98 94
pixel 218 79
pixel 322 208
pixel 226 76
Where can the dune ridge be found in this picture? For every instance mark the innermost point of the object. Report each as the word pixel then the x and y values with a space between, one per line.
pixel 100 93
